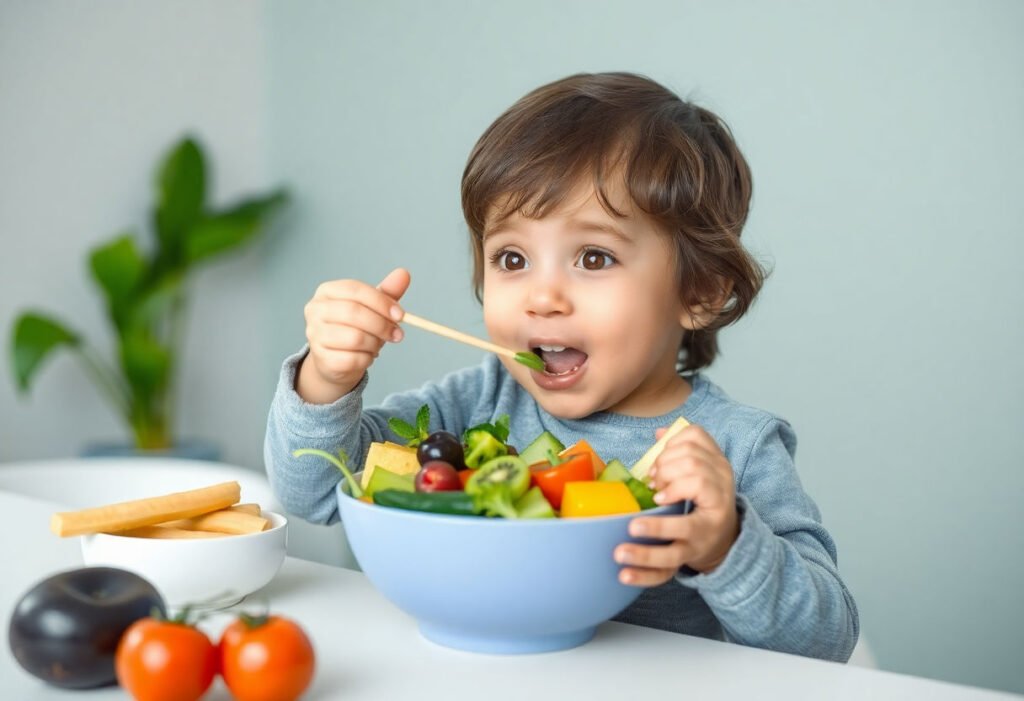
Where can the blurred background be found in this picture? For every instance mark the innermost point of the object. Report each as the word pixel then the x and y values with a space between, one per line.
pixel 885 140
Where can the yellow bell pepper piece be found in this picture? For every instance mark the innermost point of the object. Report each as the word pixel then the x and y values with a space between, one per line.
pixel 597 499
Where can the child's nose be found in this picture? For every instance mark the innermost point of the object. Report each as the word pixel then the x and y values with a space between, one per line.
pixel 548 297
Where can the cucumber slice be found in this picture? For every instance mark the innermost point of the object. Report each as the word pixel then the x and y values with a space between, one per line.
pixel 615 471
pixel 643 494
pixel 383 478
pixel 534 505
pixel 537 451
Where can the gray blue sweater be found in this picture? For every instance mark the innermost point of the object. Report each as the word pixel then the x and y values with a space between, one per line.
pixel 779 587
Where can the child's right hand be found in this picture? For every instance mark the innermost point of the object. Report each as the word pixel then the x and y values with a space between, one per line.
pixel 347 323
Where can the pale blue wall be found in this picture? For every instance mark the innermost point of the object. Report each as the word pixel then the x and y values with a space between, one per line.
pixel 886 144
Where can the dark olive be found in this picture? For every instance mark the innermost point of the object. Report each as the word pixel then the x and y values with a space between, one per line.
pixel 444 446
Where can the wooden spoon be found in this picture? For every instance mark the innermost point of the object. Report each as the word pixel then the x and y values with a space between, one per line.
pixel 527 358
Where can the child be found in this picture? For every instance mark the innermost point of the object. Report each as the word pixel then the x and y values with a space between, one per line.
pixel 605 216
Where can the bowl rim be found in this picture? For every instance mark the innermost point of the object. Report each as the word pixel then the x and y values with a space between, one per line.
pixel 278 521
pixel 676 509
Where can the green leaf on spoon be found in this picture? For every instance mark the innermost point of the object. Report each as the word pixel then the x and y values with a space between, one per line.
pixel 530 360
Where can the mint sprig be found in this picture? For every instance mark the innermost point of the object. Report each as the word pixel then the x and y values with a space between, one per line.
pixel 413 435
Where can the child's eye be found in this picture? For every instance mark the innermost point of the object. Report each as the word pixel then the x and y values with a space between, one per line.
pixel 509 261
pixel 595 259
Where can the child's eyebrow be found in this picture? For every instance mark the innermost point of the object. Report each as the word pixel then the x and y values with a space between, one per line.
pixel 581 225
pixel 490 231
pixel 600 227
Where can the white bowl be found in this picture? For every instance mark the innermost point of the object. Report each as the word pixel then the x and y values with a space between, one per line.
pixel 205 573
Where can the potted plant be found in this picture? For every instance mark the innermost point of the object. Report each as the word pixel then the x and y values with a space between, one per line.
pixel 146 297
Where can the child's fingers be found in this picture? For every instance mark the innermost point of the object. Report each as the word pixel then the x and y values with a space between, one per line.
pixel 356 291
pixel 334 337
pixel 396 283
pixel 674 528
pixel 643 577
pixel 668 557
pixel 704 489
pixel 333 366
pixel 353 314
pixel 678 460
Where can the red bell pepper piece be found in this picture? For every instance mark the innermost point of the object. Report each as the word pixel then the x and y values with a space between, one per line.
pixel 552 478
pixel 583 448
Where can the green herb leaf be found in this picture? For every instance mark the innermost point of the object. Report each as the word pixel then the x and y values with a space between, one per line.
pixel 403 429
pixel 502 427
pixel 530 360
pixel 413 435
pixel 423 420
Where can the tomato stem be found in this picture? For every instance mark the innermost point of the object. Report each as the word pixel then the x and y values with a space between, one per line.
pixel 252 621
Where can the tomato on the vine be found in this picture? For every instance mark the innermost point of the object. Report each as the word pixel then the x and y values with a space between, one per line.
pixel 266 658
pixel 165 661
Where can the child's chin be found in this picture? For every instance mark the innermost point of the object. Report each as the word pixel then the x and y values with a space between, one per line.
pixel 562 407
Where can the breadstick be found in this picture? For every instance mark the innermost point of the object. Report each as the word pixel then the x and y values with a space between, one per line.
pixel 222 521
pixel 640 468
pixel 253 509
pixel 166 532
pixel 146 512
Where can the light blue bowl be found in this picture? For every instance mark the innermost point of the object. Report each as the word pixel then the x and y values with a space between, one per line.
pixel 494 585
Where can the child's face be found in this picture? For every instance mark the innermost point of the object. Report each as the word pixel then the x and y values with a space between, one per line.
pixel 600 286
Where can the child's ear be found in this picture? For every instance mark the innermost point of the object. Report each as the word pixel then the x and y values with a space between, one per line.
pixel 697 316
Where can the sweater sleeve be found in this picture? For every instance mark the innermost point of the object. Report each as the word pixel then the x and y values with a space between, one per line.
pixel 305 486
pixel 779 586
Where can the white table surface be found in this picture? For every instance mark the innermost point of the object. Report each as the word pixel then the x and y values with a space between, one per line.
pixel 368 649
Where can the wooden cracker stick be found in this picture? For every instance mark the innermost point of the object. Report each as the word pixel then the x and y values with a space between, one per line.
pixel 644 464
pixel 222 521
pixel 146 512
pixel 166 532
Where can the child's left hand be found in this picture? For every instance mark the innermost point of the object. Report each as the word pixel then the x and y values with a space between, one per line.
pixel 691 466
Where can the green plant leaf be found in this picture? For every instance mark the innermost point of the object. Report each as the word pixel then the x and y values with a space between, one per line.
pixel 403 429
pixel 151 305
pixel 181 192
pixel 502 425
pixel 146 364
pixel 34 337
pixel 118 268
pixel 423 420
pixel 223 231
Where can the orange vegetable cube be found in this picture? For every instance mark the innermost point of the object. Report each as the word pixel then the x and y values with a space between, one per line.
pixel 583 448
pixel 597 499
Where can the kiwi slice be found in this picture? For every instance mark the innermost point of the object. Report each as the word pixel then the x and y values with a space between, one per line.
pixel 505 469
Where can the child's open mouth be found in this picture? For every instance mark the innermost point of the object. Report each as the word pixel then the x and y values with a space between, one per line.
pixel 563 366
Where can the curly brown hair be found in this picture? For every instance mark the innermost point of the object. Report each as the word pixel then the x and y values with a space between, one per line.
pixel 680 165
